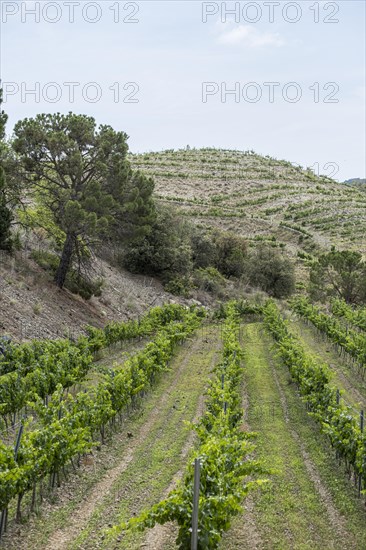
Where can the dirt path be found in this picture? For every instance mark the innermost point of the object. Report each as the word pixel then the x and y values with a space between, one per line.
pixel 162 535
pixel 334 517
pixel 61 538
pixel 157 537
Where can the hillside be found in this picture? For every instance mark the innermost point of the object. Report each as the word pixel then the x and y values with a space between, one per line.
pixel 33 307
pixel 107 414
pixel 259 197
pixel 357 182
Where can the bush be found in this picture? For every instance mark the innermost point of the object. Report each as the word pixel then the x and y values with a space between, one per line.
pixel 269 270
pixel 165 251
pixel 45 260
pixel 77 284
pixel 231 255
pixel 340 273
pixel 179 286
pixel 209 279
pixel 204 250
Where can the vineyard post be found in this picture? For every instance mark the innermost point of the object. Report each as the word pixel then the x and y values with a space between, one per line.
pixel 17 444
pixel 2 522
pixel 196 495
pixel 360 476
pixel 337 399
pixel 16 449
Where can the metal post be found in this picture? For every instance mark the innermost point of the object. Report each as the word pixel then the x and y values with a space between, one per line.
pixel 361 420
pixel 2 522
pixel 360 476
pixel 17 444
pixel 337 399
pixel 16 449
pixel 196 495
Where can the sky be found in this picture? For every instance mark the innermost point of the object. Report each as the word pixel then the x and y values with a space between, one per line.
pixel 285 79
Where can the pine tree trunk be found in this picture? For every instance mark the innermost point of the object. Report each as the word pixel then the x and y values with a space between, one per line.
pixel 65 261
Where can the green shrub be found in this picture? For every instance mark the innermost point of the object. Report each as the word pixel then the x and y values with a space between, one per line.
pixel 46 260
pixel 210 280
pixel 165 251
pixel 231 255
pixel 179 286
pixel 204 250
pixel 269 270
pixel 77 284
pixel 339 273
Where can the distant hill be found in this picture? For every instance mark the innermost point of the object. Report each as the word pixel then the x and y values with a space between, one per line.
pixel 259 197
pixel 356 182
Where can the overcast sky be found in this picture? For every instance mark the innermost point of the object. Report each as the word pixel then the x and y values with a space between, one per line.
pixel 163 73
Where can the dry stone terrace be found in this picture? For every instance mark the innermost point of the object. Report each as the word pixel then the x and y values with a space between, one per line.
pixel 259 197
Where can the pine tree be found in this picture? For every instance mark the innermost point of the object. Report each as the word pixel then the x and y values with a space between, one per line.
pixel 81 174
pixel 5 217
pixel 5 214
pixel 339 273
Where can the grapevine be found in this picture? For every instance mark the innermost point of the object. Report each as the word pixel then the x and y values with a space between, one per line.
pixel 313 379
pixel 223 453
pixel 349 341
pixel 355 317
pixel 67 427
pixel 37 368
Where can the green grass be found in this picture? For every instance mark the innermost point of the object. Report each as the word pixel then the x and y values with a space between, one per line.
pixel 159 456
pixel 290 513
pixel 156 460
pixel 345 376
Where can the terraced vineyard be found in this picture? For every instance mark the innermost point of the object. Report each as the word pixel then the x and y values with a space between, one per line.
pixel 259 197
pixel 310 497
pixel 105 456
pixel 183 332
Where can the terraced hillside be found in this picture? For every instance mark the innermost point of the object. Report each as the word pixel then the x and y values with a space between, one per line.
pixel 259 197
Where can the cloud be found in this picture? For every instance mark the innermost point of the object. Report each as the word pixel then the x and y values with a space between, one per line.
pixel 250 37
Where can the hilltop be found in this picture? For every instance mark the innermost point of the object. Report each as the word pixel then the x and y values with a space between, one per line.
pixel 259 197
